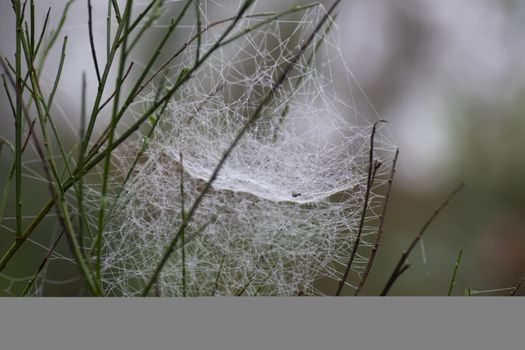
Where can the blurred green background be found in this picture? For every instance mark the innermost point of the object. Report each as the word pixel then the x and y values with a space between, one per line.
pixel 448 75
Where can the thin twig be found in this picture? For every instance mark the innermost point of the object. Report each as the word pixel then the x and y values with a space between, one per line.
pixel 497 290
pixel 251 279
pixel 108 100
pixel 468 291
pixel 80 184
pixel 42 264
pixel 92 41
pixel 400 267
pixel 216 284
pixel 198 15
pixel 144 25
pixel 453 279
pixel 54 35
pixel 363 212
pixel 58 75
pixel 183 215
pixel 381 225
pixel 403 269
pixel 515 290
pixel 377 166
pixel 246 285
pixel 31 128
pixel 18 117
pixel 117 11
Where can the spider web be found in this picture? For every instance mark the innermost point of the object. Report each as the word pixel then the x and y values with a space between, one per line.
pixel 284 209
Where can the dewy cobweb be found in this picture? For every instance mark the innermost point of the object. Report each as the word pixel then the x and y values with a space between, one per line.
pixel 285 207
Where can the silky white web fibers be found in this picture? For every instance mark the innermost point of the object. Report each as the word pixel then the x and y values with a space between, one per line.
pixel 285 207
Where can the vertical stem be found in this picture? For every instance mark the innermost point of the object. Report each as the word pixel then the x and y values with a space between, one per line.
pixel 114 121
pixel 183 217
pixel 18 119
pixel 456 266
pixel 92 40
pixel 108 32
pixel 198 15
pixel 32 33
pixel 381 226
pixel 80 190
pixel 363 212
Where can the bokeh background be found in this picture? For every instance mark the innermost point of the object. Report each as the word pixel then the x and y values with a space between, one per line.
pixel 448 75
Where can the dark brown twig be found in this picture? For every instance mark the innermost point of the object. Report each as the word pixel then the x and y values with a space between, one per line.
pixel 29 133
pixel 108 100
pixel 401 265
pixel 42 264
pixel 92 41
pixel 381 225
pixel 377 165
pixel 363 213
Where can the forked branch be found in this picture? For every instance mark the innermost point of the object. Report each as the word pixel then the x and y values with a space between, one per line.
pixel 365 209
pixel 381 226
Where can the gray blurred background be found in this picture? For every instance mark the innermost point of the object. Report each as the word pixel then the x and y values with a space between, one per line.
pixel 449 76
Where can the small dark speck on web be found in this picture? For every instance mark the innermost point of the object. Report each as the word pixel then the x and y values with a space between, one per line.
pixel 295 194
